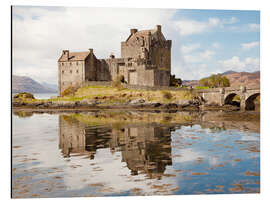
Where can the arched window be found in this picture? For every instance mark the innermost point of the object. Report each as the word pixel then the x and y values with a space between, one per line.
pixel 70 71
pixel 63 72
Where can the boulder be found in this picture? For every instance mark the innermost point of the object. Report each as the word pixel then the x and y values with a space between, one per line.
pixel 137 101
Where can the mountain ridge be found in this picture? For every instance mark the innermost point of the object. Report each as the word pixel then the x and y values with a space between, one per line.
pixel 27 84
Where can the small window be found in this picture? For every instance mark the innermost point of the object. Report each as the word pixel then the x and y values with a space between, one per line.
pixel 77 63
pixel 70 71
pixel 63 72
pixel 63 83
pixel 77 71
pixel 62 64
pixel 70 63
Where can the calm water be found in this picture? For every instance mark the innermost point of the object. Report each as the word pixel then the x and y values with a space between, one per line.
pixel 133 153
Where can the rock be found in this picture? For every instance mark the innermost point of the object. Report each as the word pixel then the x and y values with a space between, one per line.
pixel 137 101
pixel 170 105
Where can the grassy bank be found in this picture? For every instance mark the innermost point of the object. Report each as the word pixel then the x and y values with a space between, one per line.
pixel 122 95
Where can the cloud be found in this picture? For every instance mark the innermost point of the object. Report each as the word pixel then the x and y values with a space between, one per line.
pixel 250 45
pixel 216 45
pixel 190 27
pixel 254 27
pixel 199 56
pixel 189 48
pixel 248 64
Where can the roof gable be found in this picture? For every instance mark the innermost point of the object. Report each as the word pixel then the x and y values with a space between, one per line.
pixel 75 56
pixel 143 33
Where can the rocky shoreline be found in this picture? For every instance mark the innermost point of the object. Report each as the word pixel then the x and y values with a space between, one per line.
pixel 83 105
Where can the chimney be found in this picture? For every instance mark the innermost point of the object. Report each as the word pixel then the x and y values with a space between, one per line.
pixel 158 28
pixel 133 31
pixel 66 55
pixel 91 51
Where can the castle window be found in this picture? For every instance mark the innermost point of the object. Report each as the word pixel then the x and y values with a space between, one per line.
pixel 63 72
pixel 77 63
pixel 62 64
pixel 70 71
pixel 77 71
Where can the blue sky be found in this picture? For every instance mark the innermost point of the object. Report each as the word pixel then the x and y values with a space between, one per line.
pixel 203 41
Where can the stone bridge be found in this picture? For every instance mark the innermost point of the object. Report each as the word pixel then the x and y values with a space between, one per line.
pixel 222 96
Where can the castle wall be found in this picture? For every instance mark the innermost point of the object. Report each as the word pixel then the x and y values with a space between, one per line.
pixel 91 68
pixel 162 78
pixel 130 50
pixel 161 57
pixel 70 74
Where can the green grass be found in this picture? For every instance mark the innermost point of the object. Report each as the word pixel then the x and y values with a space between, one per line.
pixel 109 95
pixel 201 87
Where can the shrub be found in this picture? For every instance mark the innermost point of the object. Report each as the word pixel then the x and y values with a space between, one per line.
pixel 175 82
pixel 24 95
pixel 70 91
pixel 167 95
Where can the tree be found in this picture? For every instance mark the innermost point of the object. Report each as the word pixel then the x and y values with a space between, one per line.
pixel 215 81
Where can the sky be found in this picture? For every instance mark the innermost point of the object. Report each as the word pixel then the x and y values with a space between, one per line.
pixel 204 42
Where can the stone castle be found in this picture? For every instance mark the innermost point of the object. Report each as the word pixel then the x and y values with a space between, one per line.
pixel 145 61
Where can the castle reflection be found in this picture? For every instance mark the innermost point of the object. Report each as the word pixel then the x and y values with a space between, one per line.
pixel 146 148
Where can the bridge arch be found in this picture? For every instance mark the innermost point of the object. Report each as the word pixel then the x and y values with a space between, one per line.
pixel 249 103
pixel 229 99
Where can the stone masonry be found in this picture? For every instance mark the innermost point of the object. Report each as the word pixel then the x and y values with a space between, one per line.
pixel 145 61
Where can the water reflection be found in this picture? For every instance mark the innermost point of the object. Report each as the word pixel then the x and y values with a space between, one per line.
pixel 144 148
pixel 134 153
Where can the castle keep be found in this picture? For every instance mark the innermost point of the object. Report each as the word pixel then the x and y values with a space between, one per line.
pixel 145 61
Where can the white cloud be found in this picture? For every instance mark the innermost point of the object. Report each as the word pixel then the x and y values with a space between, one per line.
pixel 185 49
pixel 199 56
pixel 189 27
pixel 254 27
pixel 248 64
pixel 250 45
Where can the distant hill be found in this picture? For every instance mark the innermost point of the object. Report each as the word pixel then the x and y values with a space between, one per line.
pixel 51 86
pixel 244 79
pixel 27 84
pixel 236 79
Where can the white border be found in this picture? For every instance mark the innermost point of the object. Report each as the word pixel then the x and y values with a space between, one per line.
pixel 192 4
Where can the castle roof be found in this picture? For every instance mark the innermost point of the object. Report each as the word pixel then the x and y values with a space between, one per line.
pixel 75 56
pixel 144 33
